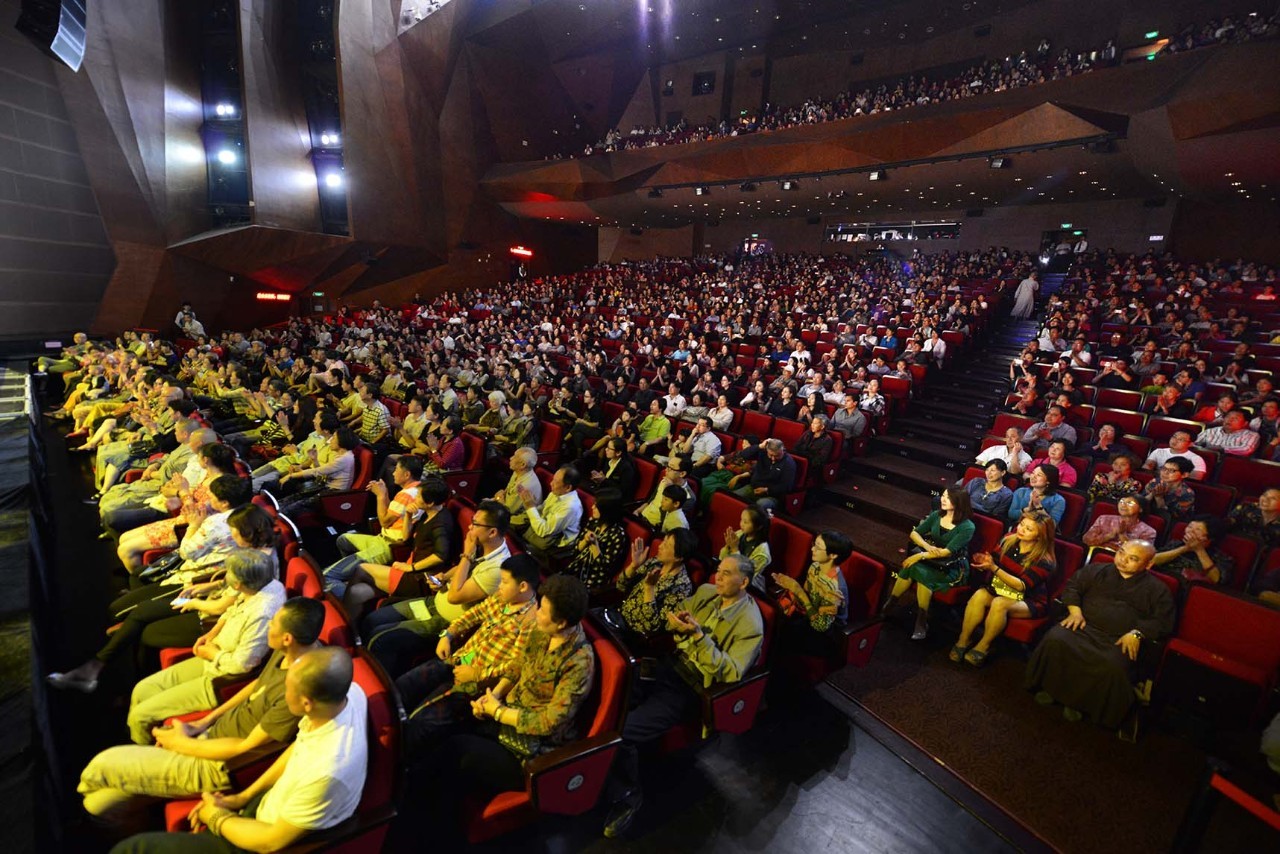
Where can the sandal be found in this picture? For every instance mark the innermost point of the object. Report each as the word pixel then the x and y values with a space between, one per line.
pixel 975 657
pixel 957 653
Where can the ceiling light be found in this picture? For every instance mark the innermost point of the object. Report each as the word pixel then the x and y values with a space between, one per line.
pixel 878 175
pixel 789 184
pixel 333 180
pixel 226 157
pixel 1000 162
pixel 702 191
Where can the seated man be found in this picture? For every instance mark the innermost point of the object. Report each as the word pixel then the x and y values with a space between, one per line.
pixel 1087 662
pixel 315 784
pixel 677 475
pixel 396 519
pixel 718 633
pixel 476 652
pixel 772 477
pixel 1113 530
pixel 1179 446
pixel 654 428
pixel 1169 493
pixel 1233 437
pixel 198 756
pixel 701 446
pixel 849 419
pixel 235 645
pixel 1054 426
pixel 397 633
pixel 522 464
pixel 1011 453
pixel 553 525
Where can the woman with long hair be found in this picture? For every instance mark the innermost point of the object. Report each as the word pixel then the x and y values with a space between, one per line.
pixel 1019 586
pixel 940 555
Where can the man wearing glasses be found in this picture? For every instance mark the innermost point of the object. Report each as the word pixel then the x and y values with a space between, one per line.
pixel 399 633
pixel 676 474
pixel 1170 493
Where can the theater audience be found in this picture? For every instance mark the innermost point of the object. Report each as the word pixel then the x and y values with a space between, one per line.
pixel 655 586
pixel 1116 483
pixel 1169 493
pixel 1112 530
pixel 1056 456
pixel 1199 556
pixel 751 538
pixel 314 785
pixel 817 605
pixel 1040 495
pixel 1233 437
pixel 1259 520
pixel 1179 446
pixel 602 544
pixel 553 524
pixel 1054 426
pixel 1011 453
pixel 989 494
pixel 939 558
pixel 191 757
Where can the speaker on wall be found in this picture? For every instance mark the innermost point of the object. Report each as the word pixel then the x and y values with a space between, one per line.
pixel 57 28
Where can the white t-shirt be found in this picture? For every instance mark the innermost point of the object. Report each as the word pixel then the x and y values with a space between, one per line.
pixel 1160 456
pixel 1000 452
pixel 487 573
pixel 323 780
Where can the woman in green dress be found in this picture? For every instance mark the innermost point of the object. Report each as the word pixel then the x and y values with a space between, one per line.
pixel 940 557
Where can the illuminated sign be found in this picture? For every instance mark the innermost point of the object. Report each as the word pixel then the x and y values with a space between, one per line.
pixel 521 251
pixel 266 296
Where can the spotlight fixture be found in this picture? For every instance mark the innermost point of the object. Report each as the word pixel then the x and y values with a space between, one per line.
pixel 225 110
pixel 1000 163
pixel 226 157
pixel 702 191
pixel 329 139
pixel 655 193
pixel 789 184
pixel 333 180
pixel 878 175
pixel 748 187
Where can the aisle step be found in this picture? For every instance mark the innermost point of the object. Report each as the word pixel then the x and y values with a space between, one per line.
pixel 915 475
pixel 884 502
pixel 940 453
pixel 885 542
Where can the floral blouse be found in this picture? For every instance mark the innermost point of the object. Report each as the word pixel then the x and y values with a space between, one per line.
pixel 651 617
pixel 612 542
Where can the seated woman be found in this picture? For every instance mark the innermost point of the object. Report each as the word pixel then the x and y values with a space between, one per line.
pixel 819 603
pixel 334 471
pixel 1019 586
pixel 433 535
pixel 872 402
pixel 815 446
pixel 1198 557
pixel 1111 531
pixel 234 646
pixel 1056 456
pixel 1117 483
pixel 1107 443
pixel 148 613
pixel 989 494
pixel 601 545
pixel 655 587
pixel 520 719
pixel 215 460
pixel 940 555
pixel 618 470
pixel 751 540
pixel 1041 494
pixel 1261 520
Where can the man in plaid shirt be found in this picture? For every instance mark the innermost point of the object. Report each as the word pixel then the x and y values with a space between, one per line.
pixel 439 692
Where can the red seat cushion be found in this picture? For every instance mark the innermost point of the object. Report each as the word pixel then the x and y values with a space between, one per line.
pixel 1237 669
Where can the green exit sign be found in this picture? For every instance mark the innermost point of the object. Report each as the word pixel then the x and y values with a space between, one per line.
pixel 1066 225
pixel 1151 35
pixel 317 293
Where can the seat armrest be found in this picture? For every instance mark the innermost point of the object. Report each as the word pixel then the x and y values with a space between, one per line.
pixel 732 706
pixel 570 779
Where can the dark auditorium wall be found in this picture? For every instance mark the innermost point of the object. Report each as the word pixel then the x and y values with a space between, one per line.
pixel 1243 229
pixel 623 244
pixel 55 259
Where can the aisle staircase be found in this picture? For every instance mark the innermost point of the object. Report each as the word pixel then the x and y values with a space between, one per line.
pixel 1050 283
pixel 884 494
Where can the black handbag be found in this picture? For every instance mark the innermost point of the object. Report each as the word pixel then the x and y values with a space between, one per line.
pixel 522 745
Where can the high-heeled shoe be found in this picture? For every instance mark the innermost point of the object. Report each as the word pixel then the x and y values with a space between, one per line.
pixel 922 626
pixel 67 682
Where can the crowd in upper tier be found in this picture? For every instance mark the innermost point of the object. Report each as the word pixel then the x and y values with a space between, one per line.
pixel 1028 68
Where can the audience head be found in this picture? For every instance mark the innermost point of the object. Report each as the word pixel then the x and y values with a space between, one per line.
pixel 493 518
pixel 1034 533
pixel 677 470
pixel 996 470
pixel 219 458
pixel 1175 469
pixel 956 499
pixel 231 490
pixel 252 527
pixel 678 546
pixel 298 623
pixel 408 469
pixel 520 578
pixel 200 438
pixel 566 480
pixel 316 685
pixel 249 570
pixel 754 524
pixel 733 574
pixel 673 498
pixel 610 506
pixel 1131 506
pixel 345 439
pixel 1045 478
pixel 833 545
pixel 775 449
pixel 563 603
pixel 1134 557
pixel 433 492
pixel 523 459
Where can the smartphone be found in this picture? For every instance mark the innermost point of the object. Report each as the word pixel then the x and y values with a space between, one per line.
pixel 179 601
pixel 435 579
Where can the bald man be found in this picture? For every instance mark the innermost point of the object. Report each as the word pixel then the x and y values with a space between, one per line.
pixel 1087 663
pixel 315 784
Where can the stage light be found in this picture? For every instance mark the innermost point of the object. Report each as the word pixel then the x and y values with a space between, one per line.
pixel 1000 162
pixel 333 180
pixel 790 184
pixel 226 157
pixel 329 139
pixel 225 110
pixel 877 175
pixel 702 191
